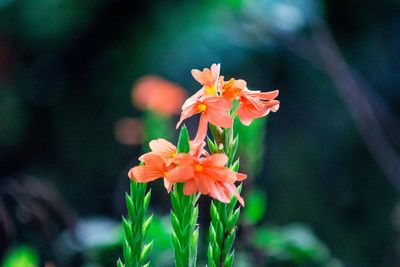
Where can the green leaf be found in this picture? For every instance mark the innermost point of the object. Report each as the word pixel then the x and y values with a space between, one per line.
pixel 216 253
pixel 228 244
pixel 212 234
pixel 176 226
pixel 213 147
pixel 136 226
pixel 210 255
pixel 214 213
pixel 129 205
pixel 228 262
pixel 232 150
pixel 176 243
pixel 183 141
pixel 146 225
pixel 215 133
pixel 128 232
pixel 126 251
pixel 193 247
pixel 184 215
pixel 195 237
pixel 175 205
pixel 233 220
pixel 146 201
pixel 225 136
pixel 235 166
pixel 195 215
pixel 145 251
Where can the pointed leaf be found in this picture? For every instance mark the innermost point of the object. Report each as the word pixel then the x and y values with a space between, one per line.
pixel 228 262
pixel 146 225
pixel 145 251
pixel 233 220
pixel 183 141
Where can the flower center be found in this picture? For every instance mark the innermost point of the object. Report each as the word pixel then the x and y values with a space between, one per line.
pixel 211 90
pixel 198 168
pixel 165 174
pixel 173 155
pixel 202 107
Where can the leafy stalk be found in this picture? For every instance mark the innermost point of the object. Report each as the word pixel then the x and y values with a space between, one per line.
pixel 224 216
pixel 136 225
pixel 184 215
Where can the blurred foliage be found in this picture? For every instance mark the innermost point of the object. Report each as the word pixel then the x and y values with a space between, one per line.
pixel 256 206
pixel 156 126
pixel 293 243
pixel 21 256
pixel 251 145
pixel 160 231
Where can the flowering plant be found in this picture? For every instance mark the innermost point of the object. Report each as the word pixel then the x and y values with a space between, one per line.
pixel 189 170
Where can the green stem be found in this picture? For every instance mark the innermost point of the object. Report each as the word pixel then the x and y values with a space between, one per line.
pixel 222 233
pixel 185 233
pixel 224 217
pixel 136 225
pixel 184 215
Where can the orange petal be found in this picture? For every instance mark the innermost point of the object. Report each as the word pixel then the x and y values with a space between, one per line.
pixel 198 75
pixel 180 174
pixel 219 117
pixel 190 188
pixel 218 159
pixel 197 148
pixel 203 183
pixel 245 115
pixel 184 159
pixel 161 145
pixel 217 111
pixel 191 100
pixel 232 188
pixel 263 95
pixel 221 174
pixel 202 129
pixel 154 161
pixel 215 69
pixel 188 112
pixel 168 185
pixel 144 174
pixel 218 102
pixel 240 176
pixel 218 192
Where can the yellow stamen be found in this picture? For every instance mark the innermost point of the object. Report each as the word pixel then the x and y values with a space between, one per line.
pixel 173 155
pixel 202 107
pixel 198 168
pixel 165 174
pixel 211 90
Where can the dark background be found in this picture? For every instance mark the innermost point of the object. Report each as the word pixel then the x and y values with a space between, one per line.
pixel 67 68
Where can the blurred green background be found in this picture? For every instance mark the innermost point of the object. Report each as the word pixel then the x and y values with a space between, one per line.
pixel 328 164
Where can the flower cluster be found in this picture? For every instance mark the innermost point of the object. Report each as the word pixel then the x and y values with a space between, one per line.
pixel 218 102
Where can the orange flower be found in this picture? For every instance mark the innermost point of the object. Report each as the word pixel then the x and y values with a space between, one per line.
pixel 255 104
pixel 154 168
pixel 167 151
pixel 213 109
pixel 252 104
pixel 159 95
pixel 209 79
pixel 232 89
pixel 209 176
pixel 162 148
